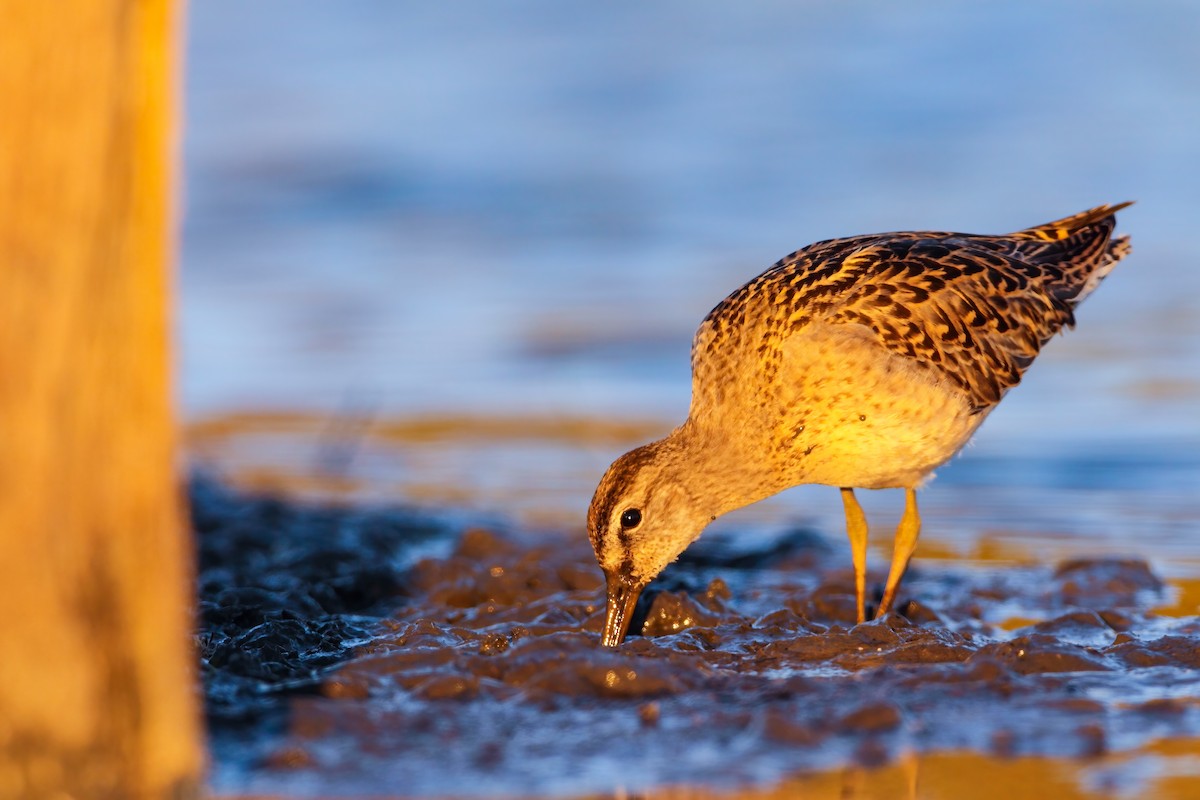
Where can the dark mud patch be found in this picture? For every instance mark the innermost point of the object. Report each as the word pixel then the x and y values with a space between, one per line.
pixel 380 652
pixel 287 591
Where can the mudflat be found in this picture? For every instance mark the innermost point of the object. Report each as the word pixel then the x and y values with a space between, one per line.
pixel 354 651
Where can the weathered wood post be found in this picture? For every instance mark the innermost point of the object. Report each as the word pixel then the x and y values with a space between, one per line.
pixel 97 685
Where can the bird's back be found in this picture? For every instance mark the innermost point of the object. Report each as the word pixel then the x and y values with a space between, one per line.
pixel 974 310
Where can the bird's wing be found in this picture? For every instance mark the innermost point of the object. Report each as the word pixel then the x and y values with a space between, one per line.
pixel 974 315
pixel 976 309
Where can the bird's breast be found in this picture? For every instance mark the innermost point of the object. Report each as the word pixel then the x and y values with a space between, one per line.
pixel 832 406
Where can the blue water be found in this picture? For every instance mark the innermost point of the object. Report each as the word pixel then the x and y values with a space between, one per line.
pixel 529 206
pixel 526 208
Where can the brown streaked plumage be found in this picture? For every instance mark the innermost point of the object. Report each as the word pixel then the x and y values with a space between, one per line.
pixel 863 362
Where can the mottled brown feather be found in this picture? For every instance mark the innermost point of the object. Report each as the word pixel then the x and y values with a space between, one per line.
pixel 975 309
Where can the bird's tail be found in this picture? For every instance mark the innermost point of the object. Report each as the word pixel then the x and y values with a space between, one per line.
pixel 1063 228
pixel 1081 246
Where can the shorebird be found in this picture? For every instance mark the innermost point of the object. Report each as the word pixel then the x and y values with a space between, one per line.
pixel 863 362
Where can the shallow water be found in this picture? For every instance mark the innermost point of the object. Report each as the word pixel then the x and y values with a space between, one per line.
pixel 450 256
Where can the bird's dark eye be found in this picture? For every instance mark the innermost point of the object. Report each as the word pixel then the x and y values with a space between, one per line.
pixel 631 518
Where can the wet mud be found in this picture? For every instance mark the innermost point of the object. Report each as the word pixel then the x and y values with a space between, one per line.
pixel 383 652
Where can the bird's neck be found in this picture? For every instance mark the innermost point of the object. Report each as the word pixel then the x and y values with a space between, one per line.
pixel 717 471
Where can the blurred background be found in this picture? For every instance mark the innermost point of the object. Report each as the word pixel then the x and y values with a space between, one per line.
pixel 454 253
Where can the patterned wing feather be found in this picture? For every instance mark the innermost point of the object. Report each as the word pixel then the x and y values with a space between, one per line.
pixel 978 317
pixel 977 309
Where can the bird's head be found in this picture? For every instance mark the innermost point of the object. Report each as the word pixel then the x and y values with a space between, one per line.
pixel 642 517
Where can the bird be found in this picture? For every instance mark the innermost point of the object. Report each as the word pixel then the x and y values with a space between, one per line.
pixel 863 362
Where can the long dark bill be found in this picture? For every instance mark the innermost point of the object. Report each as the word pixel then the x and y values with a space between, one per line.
pixel 622 597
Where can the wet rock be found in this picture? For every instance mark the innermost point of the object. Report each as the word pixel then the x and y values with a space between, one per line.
pixel 448 687
pixel 788 688
pixel 1163 707
pixel 1075 705
pixel 896 640
pixel 580 577
pixel 485 547
pixel 1085 628
pixel 1167 651
pixel 716 594
pixel 830 603
pixel 673 612
pixel 607 678
pixel 1119 621
pixel 933 650
pixel 649 713
pixel 880 632
pixel 871 718
pixel 1038 653
pixel 781 726
pixel 809 647
pixel 969 677
pixel 493 644
pixel 920 614
pixel 871 753
pixel 984 667
pixel 1093 741
pixel 779 620
pixel 428 634
pixel 696 639
pixel 524 663
pixel 489 756
pixel 313 725
pixel 1104 583
pixel 288 758
pixel 345 687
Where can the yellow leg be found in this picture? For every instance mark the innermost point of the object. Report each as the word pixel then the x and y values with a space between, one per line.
pixel 906 543
pixel 856 529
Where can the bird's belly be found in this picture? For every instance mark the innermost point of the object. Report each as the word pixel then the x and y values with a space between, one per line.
pixel 857 415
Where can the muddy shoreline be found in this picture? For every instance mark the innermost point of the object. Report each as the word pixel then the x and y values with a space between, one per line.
pixel 356 652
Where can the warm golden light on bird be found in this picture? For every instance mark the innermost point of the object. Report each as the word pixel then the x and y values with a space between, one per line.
pixel 863 362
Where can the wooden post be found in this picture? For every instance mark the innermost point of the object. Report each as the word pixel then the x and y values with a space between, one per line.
pixel 98 695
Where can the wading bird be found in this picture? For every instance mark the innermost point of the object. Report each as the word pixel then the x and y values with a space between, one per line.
pixel 863 362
